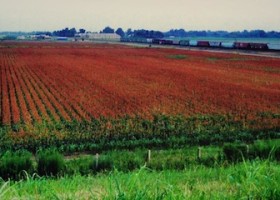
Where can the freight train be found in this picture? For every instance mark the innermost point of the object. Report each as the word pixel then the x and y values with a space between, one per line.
pixel 207 44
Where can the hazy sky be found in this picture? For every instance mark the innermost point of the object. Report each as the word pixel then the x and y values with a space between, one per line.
pixel 94 15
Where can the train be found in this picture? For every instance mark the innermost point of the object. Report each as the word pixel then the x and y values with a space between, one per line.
pixel 207 44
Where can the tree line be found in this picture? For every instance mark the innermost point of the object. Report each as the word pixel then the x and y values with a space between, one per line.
pixel 143 33
pixel 234 34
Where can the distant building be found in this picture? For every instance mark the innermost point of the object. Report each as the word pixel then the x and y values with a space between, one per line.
pixel 62 38
pixel 104 36
pixel 40 37
pixel 21 37
pixel 98 36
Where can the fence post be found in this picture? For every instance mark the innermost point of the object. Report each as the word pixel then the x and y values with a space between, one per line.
pixel 96 160
pixel 199 153
pixel 247 149
pixel 149 156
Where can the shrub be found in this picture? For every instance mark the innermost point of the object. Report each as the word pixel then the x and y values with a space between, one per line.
pixel 82 166
pixel 235 152
pixel 50 163
pixel 208 161
pixel 128 161
pixel 265 149
pixel 13 164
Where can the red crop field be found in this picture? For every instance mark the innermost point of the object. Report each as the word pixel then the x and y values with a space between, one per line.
pixel 86 96
pixel 66 81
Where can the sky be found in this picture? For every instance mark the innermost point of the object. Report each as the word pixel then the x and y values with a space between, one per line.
pixel 163 15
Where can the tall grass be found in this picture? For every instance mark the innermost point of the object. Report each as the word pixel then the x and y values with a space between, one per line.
pixel 246 180
pixel 13 164
pixel 50 163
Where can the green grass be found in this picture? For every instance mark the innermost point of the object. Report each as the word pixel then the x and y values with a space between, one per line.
pixel 247 180
pixel 49 162
pixel 271 69
pixel 178 57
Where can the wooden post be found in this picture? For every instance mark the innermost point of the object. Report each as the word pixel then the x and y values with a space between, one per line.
pixel 199 153
pixel 149 156
pixel 96 160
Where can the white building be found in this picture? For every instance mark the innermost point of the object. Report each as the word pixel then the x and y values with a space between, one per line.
pixel 21 37
pixel 98 36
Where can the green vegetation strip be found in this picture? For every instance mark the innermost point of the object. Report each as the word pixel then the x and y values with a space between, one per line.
pixel 248 180
pixel 51 163
pixel 178 57
pixel 135 132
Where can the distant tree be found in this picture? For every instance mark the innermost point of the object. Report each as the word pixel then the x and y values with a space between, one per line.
pixel 258 33
pixel 108 30
pixel 120 32
pixel 142 33
pixel 9 37
pixel 176 33
pixel 234 34
pixel 81 30
pixel 72 32
pixel 43 33
pixel 129 32
pixel 65 32
pixel 158 34
pixel 48 33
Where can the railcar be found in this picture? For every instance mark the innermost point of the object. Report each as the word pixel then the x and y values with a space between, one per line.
pixel 215 44
pixel 203 44
pixel 242 45
pixel 227 45
pixel 274 47
pixel 193 43
pixel 176 42
pixel 184 42
pixel 258 46
pixel 162 41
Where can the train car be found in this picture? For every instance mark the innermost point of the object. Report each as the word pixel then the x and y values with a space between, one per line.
pixel 274 47
pixel 149 40
pixel 176 42
pixel 259 46
pixel 193 43
pixel 203 44
pixel 157 41
pixel 142 40
pixel 162 41
pixel 184 42
pixel 168 42
pixel 215 44
pixel 227 45
pixel 242 45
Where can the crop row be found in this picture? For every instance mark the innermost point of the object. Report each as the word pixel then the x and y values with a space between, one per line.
pixel 26 100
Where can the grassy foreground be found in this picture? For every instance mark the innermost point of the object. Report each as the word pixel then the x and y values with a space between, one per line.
pixel 247 180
